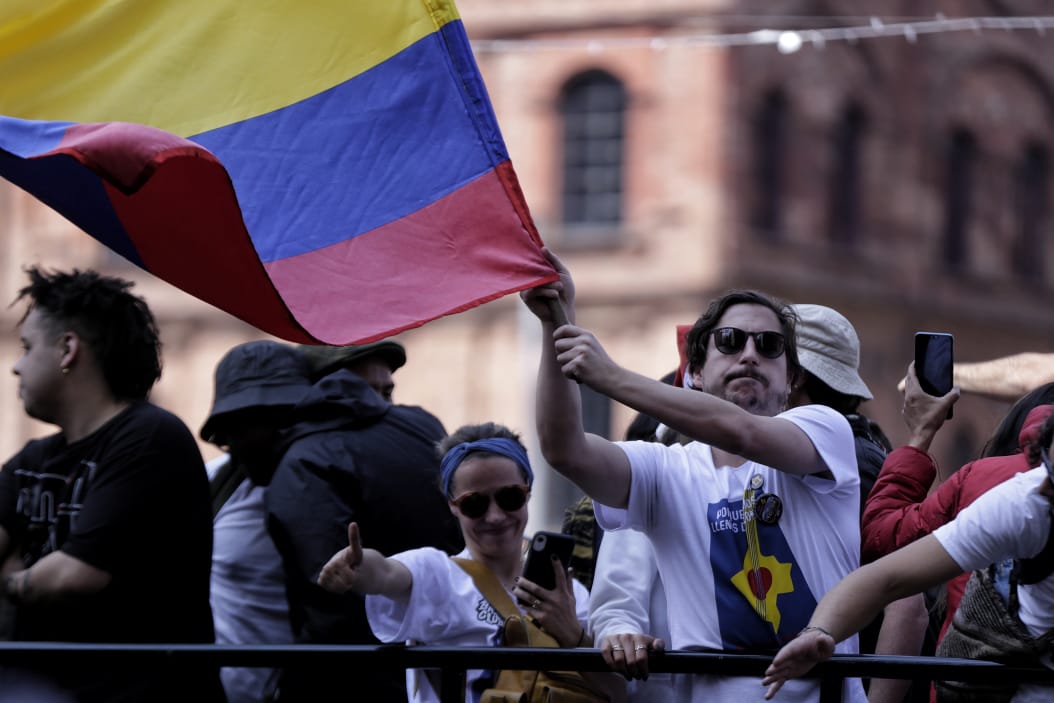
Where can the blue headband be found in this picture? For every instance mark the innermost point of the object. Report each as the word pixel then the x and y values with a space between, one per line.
pixel 508 448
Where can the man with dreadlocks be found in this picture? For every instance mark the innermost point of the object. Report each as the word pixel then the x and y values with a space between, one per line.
pixel 105 526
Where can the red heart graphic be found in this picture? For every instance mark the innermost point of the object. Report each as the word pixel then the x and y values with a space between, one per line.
pixel 759 589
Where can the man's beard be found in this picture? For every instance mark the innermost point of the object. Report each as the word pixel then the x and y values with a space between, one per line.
pixel 761 401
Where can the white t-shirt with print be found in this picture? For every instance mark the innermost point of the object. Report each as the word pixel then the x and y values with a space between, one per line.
pixel 715 584
pixel 444 609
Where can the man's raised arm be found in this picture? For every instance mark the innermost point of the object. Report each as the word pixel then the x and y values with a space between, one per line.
pixel 594 464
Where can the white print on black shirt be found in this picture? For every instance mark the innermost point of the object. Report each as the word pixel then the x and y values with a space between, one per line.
pixel 50 504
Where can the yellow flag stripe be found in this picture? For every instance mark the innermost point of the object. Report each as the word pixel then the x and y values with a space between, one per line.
pixel 189 66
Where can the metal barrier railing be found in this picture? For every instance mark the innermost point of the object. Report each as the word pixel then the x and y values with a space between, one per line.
pixel 454 661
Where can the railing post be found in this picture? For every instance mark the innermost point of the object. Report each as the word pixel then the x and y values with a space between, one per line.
pixel 831 688
pixel 452 685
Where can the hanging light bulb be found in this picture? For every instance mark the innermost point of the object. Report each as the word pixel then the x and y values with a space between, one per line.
pixel 789 42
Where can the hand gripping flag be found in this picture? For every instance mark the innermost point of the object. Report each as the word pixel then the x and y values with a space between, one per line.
pixel 328 171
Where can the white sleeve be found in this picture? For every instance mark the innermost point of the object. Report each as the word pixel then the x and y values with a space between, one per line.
pixel 831 435
pixel 1011 520
pixel 622 585
pixel 443 603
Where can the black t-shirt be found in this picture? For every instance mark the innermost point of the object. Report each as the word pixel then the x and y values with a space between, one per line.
pixel 131 499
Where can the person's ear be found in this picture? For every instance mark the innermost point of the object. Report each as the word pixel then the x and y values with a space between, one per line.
pixel 69 348
pixel 693 377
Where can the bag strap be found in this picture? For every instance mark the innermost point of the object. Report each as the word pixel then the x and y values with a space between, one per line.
pixel 224 482
pixel 491 588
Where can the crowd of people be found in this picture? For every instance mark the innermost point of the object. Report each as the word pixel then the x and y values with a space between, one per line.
pixel 734 516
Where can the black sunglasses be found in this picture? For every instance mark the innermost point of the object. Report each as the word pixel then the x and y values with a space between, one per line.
pixel 731 340
pixel 475 505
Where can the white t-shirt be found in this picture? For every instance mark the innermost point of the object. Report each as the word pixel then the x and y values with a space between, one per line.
pixel 693 513
pixel 444 609
pixel 247 589
pixel 1012 520
pixel 628 597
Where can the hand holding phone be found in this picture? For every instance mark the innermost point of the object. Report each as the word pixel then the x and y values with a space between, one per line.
pixel 543 547
pixel 934 363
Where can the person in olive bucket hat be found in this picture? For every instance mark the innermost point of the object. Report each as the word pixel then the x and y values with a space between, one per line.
pixel 352 455
pixel 374 362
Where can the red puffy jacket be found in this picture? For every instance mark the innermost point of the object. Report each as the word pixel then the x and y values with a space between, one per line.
pixel 898 510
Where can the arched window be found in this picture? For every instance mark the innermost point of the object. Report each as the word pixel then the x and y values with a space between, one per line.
pixel 958 198
pixel 843 212
pixel 592 108
pixel 1032 184
pixel 770 146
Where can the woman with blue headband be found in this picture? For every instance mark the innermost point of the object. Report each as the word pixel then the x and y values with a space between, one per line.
pixel 424 597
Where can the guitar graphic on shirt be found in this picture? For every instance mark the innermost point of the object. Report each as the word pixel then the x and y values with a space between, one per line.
pixel 761 596
pixel 763 579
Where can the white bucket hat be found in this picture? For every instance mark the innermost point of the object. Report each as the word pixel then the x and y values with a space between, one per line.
pixel 829 349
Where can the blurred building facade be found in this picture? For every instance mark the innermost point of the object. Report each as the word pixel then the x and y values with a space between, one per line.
pixel 903 180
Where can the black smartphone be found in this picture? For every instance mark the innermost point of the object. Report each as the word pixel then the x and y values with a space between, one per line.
pixel 544 546
pixel 933 362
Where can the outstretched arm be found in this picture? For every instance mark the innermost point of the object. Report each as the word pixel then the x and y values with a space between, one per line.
pixel 364 571
pixel 772 441
pixel 856 600
pixel 1005 378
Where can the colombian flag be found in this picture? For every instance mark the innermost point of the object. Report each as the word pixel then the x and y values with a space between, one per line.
pixel 328 171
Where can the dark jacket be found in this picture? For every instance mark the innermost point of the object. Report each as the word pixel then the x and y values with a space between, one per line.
pixel 872 446
pixel 351 456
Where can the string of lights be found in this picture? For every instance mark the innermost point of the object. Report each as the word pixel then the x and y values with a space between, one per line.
pixel 786 41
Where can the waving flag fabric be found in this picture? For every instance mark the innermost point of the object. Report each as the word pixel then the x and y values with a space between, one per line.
pixel 326 170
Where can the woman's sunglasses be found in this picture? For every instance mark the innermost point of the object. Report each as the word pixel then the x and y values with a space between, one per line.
pixel 731 340
pixel 475 505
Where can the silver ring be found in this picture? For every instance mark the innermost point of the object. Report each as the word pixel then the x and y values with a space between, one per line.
pixel 640 647
pixel 616 648
pixel 535 604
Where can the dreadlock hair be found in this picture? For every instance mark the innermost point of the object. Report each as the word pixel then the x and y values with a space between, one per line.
pixel 115 325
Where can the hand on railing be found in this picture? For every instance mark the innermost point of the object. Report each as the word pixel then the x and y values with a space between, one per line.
pixel 627 653
pixel 812 646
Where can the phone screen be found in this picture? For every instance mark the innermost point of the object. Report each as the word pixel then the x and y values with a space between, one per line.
pixel 933 362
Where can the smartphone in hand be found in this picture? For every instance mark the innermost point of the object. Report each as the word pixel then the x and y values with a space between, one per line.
pixel 934 360
pixel 544 546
